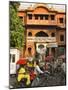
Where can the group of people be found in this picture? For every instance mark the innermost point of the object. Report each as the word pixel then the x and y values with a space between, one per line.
pixel 24 72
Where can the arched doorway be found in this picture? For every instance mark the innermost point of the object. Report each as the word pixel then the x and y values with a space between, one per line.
pixel 29 50
pixel 40 34
pixel 40 45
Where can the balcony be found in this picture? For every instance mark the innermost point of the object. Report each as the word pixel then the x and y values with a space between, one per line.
pixel 41 22
pixel 41 19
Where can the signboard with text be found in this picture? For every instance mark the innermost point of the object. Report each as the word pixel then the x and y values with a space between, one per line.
pixel 52 45
pixel 41 39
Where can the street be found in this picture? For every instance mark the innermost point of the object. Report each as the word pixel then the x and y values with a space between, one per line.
pixel 57 79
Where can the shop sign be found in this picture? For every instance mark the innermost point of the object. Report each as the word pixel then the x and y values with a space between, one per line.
pixel 41 39
pixel 52 45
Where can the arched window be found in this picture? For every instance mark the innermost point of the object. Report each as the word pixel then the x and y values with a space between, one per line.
pixel 41 34
pixel 53 34
pixel 29 34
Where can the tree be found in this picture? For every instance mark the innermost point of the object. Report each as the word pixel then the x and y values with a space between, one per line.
pixel 16 26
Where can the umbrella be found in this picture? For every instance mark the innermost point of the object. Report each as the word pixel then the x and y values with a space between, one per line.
pixel 21 61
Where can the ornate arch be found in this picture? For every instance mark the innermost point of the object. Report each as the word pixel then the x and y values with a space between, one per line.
pixel 41 34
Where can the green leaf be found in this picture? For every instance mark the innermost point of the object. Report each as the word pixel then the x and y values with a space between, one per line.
pixel 16 26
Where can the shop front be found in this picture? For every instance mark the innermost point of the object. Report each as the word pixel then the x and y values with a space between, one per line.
pixel 43 45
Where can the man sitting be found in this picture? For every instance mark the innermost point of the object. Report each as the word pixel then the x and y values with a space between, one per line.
pixel 23 74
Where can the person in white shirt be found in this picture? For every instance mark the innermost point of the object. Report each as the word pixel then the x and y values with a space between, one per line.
pixel 37 69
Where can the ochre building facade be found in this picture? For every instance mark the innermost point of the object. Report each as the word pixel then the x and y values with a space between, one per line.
pixel 47 25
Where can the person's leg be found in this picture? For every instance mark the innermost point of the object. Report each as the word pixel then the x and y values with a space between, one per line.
pixel 20 76
pixel 27 76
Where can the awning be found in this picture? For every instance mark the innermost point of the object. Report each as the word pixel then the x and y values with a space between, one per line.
pixel 52 45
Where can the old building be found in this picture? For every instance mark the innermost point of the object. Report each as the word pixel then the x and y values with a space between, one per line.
pixel 43 27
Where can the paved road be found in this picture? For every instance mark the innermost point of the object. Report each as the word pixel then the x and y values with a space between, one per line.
pixel 58 79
